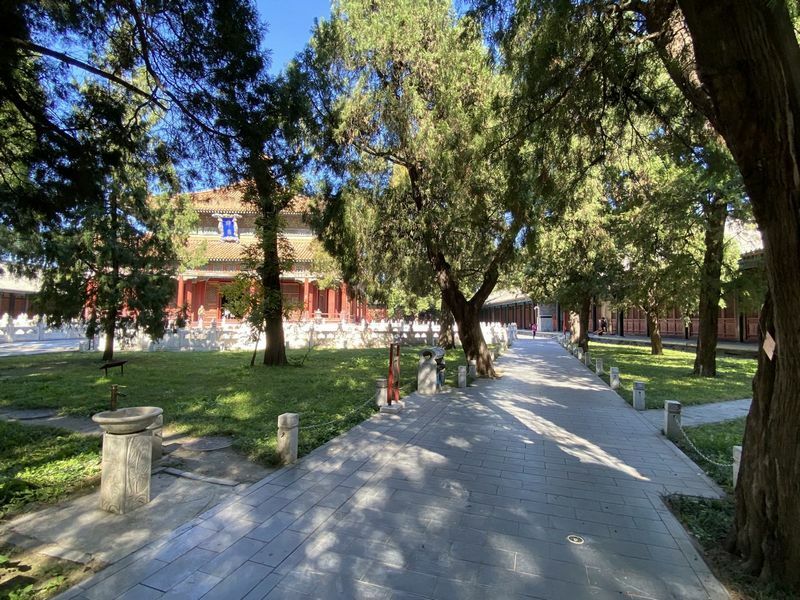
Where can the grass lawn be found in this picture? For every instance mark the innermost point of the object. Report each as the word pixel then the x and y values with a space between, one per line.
pixel 43 464
pixel 669 376
pixel 215 393
pixel 710 521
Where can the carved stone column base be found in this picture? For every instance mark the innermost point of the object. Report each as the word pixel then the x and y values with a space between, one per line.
pixel 125 482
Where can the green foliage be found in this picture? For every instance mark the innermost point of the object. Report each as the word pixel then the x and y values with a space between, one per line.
pixel 43 464
pixel 574 258
pixel 669 376
pixel 113 255
pixel 413 132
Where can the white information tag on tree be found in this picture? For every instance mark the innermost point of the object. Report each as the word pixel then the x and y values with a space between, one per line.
pixel 769 346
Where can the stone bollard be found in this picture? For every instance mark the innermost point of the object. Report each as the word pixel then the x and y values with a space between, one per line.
pixel 427 376
pixel 288 424
pixel 672 420
pixel 587 359
pixel 638 395
pixel 473 368
pixel 381 392
pixel 462 376
pixel 598 366
pixel 737 461
pixel 579 353
pixel 614 378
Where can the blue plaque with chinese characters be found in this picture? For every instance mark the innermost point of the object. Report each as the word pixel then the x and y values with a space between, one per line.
pixel 228 228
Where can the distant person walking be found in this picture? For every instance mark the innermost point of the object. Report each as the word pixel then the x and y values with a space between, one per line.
pixel 534 328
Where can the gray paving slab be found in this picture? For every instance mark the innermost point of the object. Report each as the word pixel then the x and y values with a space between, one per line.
pixel 469 494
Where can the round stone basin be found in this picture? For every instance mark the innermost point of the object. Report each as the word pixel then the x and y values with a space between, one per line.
pixel 127 420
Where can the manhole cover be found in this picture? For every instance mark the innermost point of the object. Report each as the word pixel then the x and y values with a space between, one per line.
pixel 574 539
pixel 208 444
pixel 30 415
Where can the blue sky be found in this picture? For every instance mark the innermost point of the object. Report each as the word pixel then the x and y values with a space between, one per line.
pixel 290 23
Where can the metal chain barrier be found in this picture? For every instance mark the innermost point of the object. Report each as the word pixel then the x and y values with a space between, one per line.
pixel 343 417
pixel 696 449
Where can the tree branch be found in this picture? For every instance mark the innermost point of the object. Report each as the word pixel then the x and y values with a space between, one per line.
pixel 66 58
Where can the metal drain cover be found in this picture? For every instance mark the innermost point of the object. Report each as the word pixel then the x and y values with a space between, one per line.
pixel 575 539
pixel 207 444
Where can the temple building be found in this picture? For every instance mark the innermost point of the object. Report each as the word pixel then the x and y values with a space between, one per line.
pixel 16 293
pixel 225 228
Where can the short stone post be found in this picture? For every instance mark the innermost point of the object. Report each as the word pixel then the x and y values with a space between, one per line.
pixel 288 425
pixel 672 420
pixel 614 378
pixel 638 395
pixel 381 391
pixel 579 353
pixel 427 376
pixel 598 366
pixel 473 368
pixel 587 358
pixel 737 461
pixel 40 330
pixel 462 376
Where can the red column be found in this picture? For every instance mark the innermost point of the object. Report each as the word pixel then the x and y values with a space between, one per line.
pixel 306 299
pixel 181 289
pixel 331 303
pixel 345 303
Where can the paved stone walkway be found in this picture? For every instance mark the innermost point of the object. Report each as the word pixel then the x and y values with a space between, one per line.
pixel 34 347
pixel 715 412
pixel 466 495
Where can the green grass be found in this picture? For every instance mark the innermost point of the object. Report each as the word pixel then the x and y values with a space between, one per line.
pixel 669 376
pixel 709 520
pixel 216 393
pixel 44 464
pixel 715 441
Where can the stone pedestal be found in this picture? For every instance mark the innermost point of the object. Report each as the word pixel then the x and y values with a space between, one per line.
pixel 125 482
pixel 381 391
pixel 638 395
pixel 614 378
pixel 426 377
pixel 157 429
pixel 737 461
pixel 598 366
pixel 288 424
pixel 462 376
pixel 393 408
pixel 473 368
pixel 672 419
pixel 587 359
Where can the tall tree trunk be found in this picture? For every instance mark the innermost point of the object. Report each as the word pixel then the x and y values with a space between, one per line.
pixel 446 337
pixel 109 328
pixel 705 360
pixel 581 337
pixel 275 351
pixel 470 334
pixel 748 62
pixel 654 327
pixel 113 308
